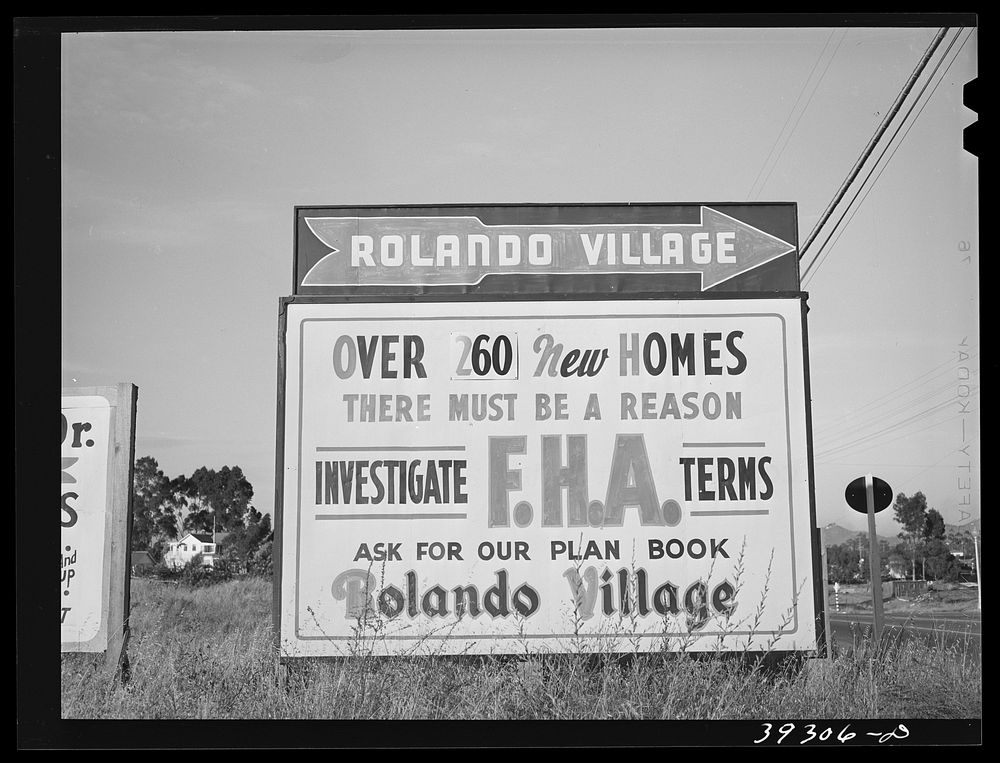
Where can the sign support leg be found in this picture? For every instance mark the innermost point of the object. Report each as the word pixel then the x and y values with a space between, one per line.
pixel 123 669
pixel 826 598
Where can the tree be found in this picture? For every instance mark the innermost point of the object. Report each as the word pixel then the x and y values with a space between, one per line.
pixel 911 513
pixel 934 526
pixel 262 562
pixel 939 563
pixel 244 541
pixel 961 540
pixel 221 499
pixel 962 545
pixel 842 562
pixel 864 552
pixel 154 516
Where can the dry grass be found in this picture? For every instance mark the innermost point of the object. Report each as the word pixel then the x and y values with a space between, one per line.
pixel 207 653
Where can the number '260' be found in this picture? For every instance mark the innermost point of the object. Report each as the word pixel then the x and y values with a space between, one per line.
pixel 485 356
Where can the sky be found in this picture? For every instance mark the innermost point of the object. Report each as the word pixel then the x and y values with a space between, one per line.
pixel 185 153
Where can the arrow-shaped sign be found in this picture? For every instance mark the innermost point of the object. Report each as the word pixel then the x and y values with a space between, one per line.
pixel 436 250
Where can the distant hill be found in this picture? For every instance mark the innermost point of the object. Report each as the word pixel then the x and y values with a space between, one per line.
pixel 964 527
pixel 834 535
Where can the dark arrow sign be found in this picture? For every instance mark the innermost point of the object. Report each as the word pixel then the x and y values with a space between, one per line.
pixel 857 497
pixel 400 249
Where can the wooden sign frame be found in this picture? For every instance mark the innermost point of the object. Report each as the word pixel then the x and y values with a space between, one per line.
pixel 112 635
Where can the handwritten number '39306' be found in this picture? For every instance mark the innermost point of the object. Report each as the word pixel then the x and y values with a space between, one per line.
pixel 900 732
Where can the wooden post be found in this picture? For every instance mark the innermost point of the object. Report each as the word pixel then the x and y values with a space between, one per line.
pixel 279 488
pixel 826 598
pixel 875 561
pixel 116 658
pixel 114 578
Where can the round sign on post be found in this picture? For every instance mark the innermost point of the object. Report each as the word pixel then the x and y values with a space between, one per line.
pixel 857 497
pixel 870 495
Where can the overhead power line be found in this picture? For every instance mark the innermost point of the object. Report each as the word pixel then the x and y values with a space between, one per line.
pixel 826 436
pixel 805 86
pixel 837 230
pixel 861 443
pixel 862 447
pixel 912 478
pixel 862 437
pixel 892 395
pixel 894 109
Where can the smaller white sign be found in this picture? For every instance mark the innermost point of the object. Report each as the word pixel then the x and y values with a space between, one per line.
pixel 87 470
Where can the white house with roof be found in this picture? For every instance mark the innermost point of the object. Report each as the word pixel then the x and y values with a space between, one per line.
pixel 182 551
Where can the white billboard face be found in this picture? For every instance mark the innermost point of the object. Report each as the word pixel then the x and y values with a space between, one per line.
pixel 545 476
pixel 86 468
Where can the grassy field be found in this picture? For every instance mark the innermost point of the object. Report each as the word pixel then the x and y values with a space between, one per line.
pixel 207 653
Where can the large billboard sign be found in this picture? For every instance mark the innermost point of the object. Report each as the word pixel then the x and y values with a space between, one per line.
pixel 98 435
pixel 683 248
pixel 581 474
